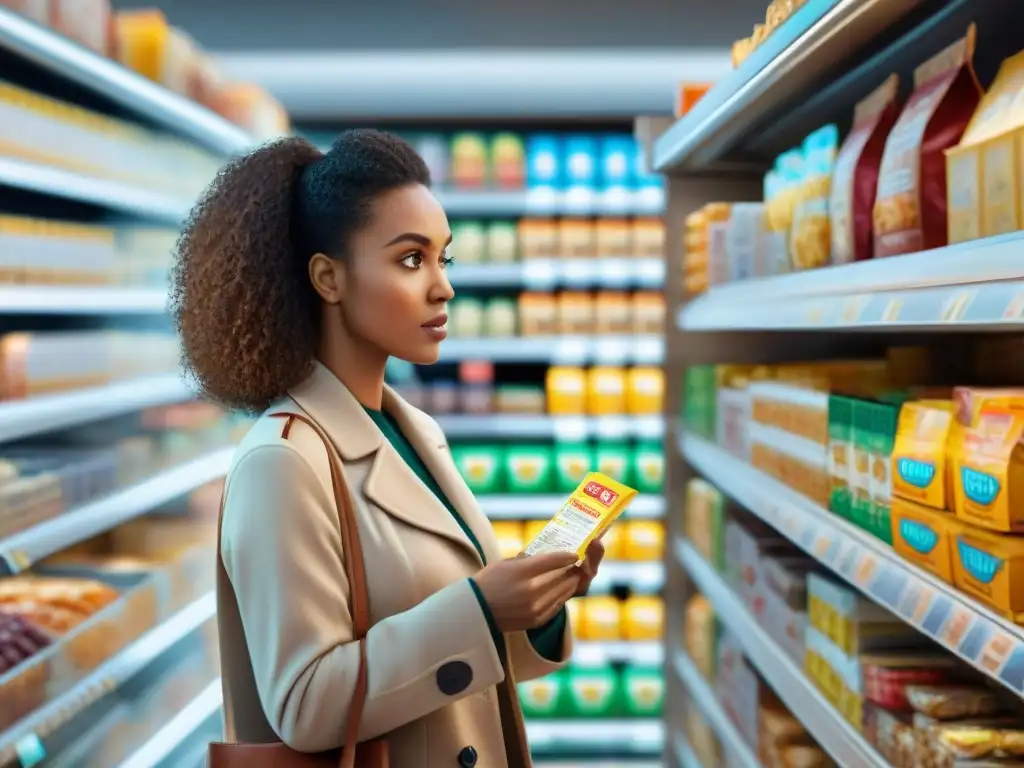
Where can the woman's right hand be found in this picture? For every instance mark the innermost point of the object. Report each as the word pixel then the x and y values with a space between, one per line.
pixel 526 592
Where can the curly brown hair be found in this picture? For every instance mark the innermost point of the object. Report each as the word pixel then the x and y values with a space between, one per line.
pixel 240 296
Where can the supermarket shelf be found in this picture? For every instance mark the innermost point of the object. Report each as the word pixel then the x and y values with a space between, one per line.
pixel 105 193
pixel 45 413
pixel 515 425
pixel 800 54
pixel 24 549
pixel 81 300
pixel 559 350
pixel 629 736
pixel 539 202
pixel 707 702
pixel 544 274
pixel 835 735
pixel 178 729
pixel 988 642
pixel 519 506
pixel 599 654
pixel 29 735
pixel 64 58
pixel 684 754
pixel 642 578
pixel 969 286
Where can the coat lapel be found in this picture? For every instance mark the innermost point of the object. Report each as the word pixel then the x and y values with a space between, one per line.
pixel 391 484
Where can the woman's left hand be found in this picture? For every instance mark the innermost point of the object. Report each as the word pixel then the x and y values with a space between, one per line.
pixel 588 570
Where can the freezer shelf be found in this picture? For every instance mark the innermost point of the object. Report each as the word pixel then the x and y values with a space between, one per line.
pixel 972 286
pixel 707 702
pixel 835 735
pixel 24 549
pixel 988 642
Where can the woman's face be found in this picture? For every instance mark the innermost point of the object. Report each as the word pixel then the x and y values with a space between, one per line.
pixel 395 291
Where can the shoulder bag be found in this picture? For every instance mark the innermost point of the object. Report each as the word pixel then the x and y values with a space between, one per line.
pixel 372 754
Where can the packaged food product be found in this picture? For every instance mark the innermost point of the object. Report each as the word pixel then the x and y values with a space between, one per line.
pixel 860 471
pixel 648 467
pixel 810 240
pixel 147 44
pixel 89 23
pixel 519 399
pixel 481 466
pixel 704 520
pixel 700 634
pixel 613 239
pixel 37 10
pixel 469 159
pixel 538 314
pixel 600 618
pixel 466 317
pixel 648 238
pixel 580 164
pixel 855 181
pixel 566 390
pixel 910 206
pixel 699 400
pixel 925 536
pixel 606 391
pixel 502 242
pixel 593 693
pixel 643 691
pixel 529 468
pixel 590 510
pixel 538 238
pixel 989 566
pixel 781 191
pixel 616 157
pixel 718 265
pixel 954 702
pixel 644 390
pixel 642 540
pixel 919 453
pixel 643 618
pixel 613 312
pixel 613 540
pixel 883 436
pixel 501 317
pixel 508 159
pixel 545 696
pixel 612 459
pixel 785 614
pixel 572 463
pixel 476 390
pixel 544 161
pixel 989 470
pixel 469 242
pixel 840 431
pixel 510 537
pixel 743 239
pixel 648 312
pixel 576 238
pixel 575 313
pixel 983 186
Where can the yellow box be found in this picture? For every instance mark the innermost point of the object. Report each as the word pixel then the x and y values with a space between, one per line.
pixel 643 540
pixel 589 511
pixel 566 390
pixel 990 567
pixel 983 172
pixel 614 542
pixel 991 472
pixel 511 538
pixel 643 618
pixel 919 453
pixel 606 391
pixel 924 536
pixel 645 389
pixel 600 618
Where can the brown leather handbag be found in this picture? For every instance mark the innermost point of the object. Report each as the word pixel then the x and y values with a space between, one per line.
pixel 371 754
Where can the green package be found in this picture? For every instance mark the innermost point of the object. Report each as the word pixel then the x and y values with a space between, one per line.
pixel 642 691
pixel 840 460
pixel 699 404
pixel 647 467
pixel 883 440
pixel 860 471
pixel 572 463
pixel 592 692
pixel 613 460
pixel 529 468
pixel 545 696
pixel 481 466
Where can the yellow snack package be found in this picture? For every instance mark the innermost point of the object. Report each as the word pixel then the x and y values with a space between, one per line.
pixel 591 509
pixel 919 454
pixel 991 470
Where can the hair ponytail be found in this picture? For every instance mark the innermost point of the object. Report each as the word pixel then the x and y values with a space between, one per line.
pixel 237 287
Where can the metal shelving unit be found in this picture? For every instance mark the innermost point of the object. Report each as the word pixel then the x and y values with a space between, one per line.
pixel 558 350
pixel 810 71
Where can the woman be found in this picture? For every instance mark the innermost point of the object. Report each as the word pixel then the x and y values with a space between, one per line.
pixel 298 275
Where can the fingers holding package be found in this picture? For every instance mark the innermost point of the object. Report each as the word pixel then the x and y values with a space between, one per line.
pixel 526 592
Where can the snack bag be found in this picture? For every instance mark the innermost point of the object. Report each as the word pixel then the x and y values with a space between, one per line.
pixel 585 516
pixel 781 190
pixel 855 179
pixel 910 209
pixel 919 457
pixel 810 239
pixel 989 472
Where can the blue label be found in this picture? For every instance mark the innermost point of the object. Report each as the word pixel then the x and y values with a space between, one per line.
pixel 918 473
pixel 980 487
pixel 918 536
pixel 980 565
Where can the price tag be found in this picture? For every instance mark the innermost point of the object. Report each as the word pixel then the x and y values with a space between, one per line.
pixel 996 651
pixel 822 546
pixel 1015 309
pixel 853 308
pixel 891 313
pixel 956 627
pixel 955 306
pixel 815 314
pixel 924 603
pixel 30 750
pixel 865 570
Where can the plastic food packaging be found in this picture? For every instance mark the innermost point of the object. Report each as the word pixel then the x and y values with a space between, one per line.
pixel 811 241
pixel 953 702
pixel 910 208
pixel 538 314
pixel 591 509
pixel 855 181
pixel 469 158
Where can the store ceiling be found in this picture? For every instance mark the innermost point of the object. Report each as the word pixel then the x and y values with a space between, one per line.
pixel 235 25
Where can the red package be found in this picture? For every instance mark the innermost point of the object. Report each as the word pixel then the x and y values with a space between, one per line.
pixel 855 179
pixel 910 209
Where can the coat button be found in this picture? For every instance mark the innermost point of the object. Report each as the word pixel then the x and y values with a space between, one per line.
pixel 467 757
pixel 454 677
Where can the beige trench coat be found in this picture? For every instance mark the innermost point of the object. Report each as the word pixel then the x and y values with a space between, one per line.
pixel 436 683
